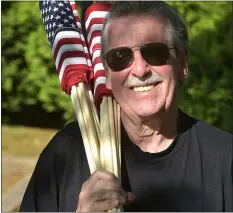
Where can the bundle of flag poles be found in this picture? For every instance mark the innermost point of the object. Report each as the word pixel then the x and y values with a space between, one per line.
pixel 80 70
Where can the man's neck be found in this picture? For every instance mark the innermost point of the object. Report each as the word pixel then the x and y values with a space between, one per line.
pixel 155 134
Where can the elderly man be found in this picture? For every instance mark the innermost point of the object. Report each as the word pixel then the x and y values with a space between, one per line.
pixel 171 161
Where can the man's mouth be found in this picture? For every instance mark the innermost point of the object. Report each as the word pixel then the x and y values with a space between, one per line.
pixel 144 88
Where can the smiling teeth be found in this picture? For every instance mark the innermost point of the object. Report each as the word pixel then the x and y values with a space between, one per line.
pixel 142 89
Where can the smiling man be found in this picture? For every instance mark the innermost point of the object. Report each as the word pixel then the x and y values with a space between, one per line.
pixel 144 69
pixel 171 161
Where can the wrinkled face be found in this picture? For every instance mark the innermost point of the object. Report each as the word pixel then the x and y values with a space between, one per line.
pixel 141 89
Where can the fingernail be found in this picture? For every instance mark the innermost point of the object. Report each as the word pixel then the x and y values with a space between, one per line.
pixel 115 202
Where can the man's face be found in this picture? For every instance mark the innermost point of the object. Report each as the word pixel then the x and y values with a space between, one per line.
pixel 132 31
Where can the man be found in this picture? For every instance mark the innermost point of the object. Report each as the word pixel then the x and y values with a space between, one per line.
pixel 171 161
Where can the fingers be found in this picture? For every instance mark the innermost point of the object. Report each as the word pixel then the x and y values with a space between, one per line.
pixel 109 185
pixel 106 204
pixel 103 175
pixel 102 191
pixel 108 195
pixel 97 176
pixel 101 180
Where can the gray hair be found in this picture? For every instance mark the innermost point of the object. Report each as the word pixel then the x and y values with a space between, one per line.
pixel 176 31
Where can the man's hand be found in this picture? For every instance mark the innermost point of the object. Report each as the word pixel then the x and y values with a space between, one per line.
pixel 101 192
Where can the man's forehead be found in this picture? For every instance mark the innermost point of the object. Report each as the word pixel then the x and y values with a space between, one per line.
pixel 133 30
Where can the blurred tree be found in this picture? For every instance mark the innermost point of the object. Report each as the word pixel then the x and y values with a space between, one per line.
pixel 29 77
pixel 207 94
pixel 28 73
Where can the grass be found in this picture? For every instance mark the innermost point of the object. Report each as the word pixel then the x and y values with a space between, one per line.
pixel 25 141
pixel 21 141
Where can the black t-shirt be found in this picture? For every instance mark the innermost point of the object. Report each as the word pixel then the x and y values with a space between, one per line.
pixel 194 174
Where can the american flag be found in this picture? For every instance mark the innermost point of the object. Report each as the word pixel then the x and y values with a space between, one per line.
pixel 94 18
pixel 78 22
pixel 65 38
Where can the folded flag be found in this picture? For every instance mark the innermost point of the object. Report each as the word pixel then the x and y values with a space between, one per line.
pixel 66 42
pixel 87 54
pixel 94 18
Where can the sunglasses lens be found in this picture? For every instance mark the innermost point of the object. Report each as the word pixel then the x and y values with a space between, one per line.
pixel 156 54
pixel 119 58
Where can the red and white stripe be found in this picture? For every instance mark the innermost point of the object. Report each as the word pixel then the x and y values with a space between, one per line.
pixel 94 18
pixel 68 49
pixel 78 22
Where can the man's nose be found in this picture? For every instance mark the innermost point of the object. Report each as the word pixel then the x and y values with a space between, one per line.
pixel 139 66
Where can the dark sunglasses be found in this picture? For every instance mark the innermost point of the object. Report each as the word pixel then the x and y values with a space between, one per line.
pixel 155 54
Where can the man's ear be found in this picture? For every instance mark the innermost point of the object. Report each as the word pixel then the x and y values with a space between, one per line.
pixel 184 71
pixel 108 82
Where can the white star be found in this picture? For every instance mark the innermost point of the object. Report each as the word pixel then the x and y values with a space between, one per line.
pixel 55 9
pixel 65 20
pixel 51 17
pixel 53 1
pixel 70 17
pixel 68 9
pixel 60 4
pixel 63 12
pixel 54 24
pixel 73 25
pixel 49 9
pixel 52 33
pixel 58 17
pixel 60 25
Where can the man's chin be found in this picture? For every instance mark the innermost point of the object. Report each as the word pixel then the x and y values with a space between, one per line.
pixel 147 113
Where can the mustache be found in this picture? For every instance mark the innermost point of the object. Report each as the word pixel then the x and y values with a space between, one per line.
pixel 152 78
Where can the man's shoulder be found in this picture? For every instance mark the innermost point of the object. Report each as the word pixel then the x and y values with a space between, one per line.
pixel 66 139
pixel 215 134
pixel 63 155
pixel 213 139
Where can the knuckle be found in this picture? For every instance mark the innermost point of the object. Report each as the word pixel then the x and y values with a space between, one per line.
pixel 97 207
pixel 85 185
pixel 104 175
pixel 113 195
pixel 82 196
pixel 98 172
pixel 108 185
pixel 110 204
pixel 112 177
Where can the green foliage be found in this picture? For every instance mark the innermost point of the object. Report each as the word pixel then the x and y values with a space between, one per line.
pixel 29 76
pixel 207 94
pixel 28 72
